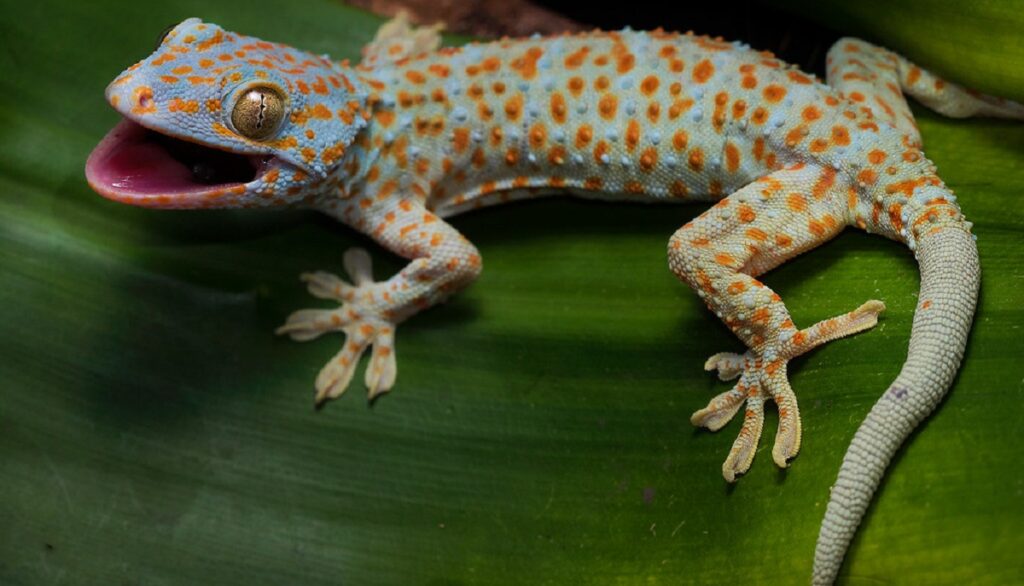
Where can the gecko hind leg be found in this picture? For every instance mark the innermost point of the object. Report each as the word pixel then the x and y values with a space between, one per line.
pixel 719 254
pixel 360 324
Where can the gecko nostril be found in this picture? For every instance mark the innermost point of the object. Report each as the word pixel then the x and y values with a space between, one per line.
pixel 145 101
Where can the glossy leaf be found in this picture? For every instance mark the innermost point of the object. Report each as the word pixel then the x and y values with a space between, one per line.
pixel 154 431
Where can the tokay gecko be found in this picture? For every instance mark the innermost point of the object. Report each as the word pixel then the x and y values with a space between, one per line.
pixel 413 134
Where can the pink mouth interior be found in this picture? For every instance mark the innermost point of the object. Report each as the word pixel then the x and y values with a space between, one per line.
pixel 133 162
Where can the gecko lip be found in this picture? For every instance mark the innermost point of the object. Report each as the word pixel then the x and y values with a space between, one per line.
pixel 136 165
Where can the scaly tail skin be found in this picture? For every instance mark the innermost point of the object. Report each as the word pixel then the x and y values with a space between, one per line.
pixel 950 277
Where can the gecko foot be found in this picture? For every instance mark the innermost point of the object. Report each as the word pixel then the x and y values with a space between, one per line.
pixel 359 317
pixel 762 376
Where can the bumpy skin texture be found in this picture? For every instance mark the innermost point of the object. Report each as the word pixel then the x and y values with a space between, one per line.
pixel 414 135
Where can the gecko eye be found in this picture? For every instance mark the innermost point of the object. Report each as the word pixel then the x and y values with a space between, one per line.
pixel 258 112
pixel 163 35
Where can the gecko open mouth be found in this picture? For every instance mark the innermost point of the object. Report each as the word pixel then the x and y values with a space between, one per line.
pixel 136 165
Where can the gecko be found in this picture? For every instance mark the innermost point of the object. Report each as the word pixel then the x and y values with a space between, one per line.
pixel 414 134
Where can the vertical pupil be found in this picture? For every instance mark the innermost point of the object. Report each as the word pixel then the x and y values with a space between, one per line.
pixel 263 109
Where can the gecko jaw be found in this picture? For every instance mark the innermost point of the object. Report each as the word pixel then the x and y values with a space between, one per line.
pixel 142 167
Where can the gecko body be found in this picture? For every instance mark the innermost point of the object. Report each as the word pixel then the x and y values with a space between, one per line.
pixel 415 134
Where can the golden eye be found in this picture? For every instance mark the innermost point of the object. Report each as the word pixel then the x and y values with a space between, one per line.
pixel 258 112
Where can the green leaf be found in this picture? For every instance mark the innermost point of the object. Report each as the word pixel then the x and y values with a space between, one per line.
pixel 154 431
pixel 978 44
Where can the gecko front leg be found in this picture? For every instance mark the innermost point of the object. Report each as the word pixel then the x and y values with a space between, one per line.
pixel 442 262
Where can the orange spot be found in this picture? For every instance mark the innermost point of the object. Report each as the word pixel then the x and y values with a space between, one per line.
pixel 760 116
pixel 797 77
pixel 876 157
pixel 556 156
pixel 513 107
pixel 576 59
pixel 179 105
pixel 816 228
pixel 538 135
pixel 575 86
pixel 526 65
pixel 584 136
pixel 755 234
pixel 736 287
pixel 703 71
pixel 761 316
pixel 632 135
pixel 894 216
pixel 385 118
pixel 793 137
pixel 913 75
pixel 732 157
pixel 724 259
pixel 739 108
pixel 164 59
pixel 649 85
pixel 320 112
pixel 774 93
pixel 607 106
pixel 818 145
pixel 885 106
pixel 678 107
pixel 653 111
pixel 746 214
pixel 633 187
pixel 679 140
pixel 439 69
pixel 216 39
pixel 649 159
pixel 558 108
pixel 811 113
pixel 783 240
pixel 696 159
pixel 840 135
pixel 867 176
pixel 678 188
pixel 825 182
pixel 796 202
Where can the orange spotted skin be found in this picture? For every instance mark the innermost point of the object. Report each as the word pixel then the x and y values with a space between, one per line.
pixel 415 134
pixel 627 115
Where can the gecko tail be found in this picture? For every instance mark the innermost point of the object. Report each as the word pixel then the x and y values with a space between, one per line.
pixel 950 277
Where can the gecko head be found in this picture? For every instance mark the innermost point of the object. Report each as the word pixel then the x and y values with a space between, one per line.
pixel 216 119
